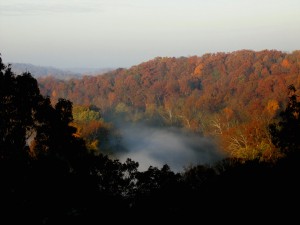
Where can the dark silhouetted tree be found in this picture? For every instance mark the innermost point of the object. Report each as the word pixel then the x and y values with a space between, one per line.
pixel 286 133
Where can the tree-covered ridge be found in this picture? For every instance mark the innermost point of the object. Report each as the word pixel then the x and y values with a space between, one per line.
pixel 215 79
pixel 48 176
pixel 230 96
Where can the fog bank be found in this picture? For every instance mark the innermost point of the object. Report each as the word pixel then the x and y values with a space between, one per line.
pixel 151 146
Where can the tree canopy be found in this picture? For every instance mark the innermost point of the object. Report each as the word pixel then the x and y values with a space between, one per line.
pixel 48 176
pixel 231 97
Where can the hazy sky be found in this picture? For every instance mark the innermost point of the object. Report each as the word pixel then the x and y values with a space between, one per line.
pixel 122 33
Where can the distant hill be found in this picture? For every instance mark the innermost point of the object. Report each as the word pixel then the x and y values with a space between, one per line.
pixel 89 71
pixel 43 71
pixel 62 74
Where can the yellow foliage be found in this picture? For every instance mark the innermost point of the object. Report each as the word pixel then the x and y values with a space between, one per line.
pixel 198 70
pixel 93 145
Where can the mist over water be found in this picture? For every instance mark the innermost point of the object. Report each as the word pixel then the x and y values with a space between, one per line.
pixel 152 146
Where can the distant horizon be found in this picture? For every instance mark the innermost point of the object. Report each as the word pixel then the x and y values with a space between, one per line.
pixel 90 69
pixel 37 70
pixel 61 68
pixel 124 33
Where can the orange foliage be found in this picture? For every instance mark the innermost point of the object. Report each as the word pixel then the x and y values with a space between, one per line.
pixel 228 113
pixel 285 63
pixel 272 107
pixel 229 86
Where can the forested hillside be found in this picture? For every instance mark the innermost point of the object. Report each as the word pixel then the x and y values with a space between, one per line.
pixel 49 175
pixel 229 96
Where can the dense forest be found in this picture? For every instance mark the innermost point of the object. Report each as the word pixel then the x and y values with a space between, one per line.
pixel 231 97
pixel 50 175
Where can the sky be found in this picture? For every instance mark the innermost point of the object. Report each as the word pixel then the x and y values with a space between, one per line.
pixel 123 33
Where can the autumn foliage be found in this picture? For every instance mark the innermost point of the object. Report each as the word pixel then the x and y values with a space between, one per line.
pixel 49 176
pixel 230 96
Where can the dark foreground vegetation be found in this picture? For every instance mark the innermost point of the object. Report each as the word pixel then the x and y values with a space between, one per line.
pixel 48 176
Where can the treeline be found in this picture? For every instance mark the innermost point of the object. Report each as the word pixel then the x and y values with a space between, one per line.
pixel 229 96
pixel 48 176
